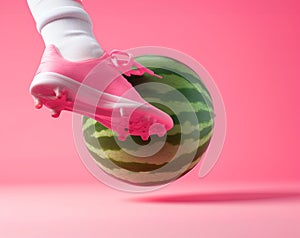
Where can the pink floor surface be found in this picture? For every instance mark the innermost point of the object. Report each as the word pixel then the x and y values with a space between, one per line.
pixel 175 211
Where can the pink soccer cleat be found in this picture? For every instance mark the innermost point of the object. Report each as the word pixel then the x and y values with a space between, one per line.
pixel 60 84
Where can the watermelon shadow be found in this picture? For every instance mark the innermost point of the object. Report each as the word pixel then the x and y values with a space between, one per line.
pixel 222 197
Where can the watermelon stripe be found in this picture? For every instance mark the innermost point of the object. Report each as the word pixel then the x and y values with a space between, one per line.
pixel 155 63
pixel 148 178
pixel 142 178
pixel 138 167
pixel 170 65
pixel 192 95
pixel 187 125
pixel 204 115
pixel 89 139
pixel 206 138
pixel 186 128
pixel 206 131
pixel 108 138
pixel 188 148
pixel 104 133
pixel 192 80
pixel 181 161
pixel 175 139
pixel 108 142
pixel 96 152
pixel 171 78
pixel 201 150
pixel 87 122
pixel 181 106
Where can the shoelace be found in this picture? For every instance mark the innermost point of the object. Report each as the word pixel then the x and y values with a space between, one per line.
pixel 126 64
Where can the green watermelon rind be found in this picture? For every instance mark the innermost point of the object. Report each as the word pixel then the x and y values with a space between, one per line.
pixel 101 141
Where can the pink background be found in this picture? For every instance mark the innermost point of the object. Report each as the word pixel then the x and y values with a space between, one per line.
pixel 252 50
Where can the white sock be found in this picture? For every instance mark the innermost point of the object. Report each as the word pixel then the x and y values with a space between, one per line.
pixel 65 24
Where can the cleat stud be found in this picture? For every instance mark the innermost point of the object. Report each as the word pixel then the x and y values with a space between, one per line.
pixel 158 129
pixel 122 136
pixel 37 103
pixel 55 113
pixel 145 137
pixel 161 133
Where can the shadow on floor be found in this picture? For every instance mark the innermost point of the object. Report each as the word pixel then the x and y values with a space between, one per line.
pixel 222 197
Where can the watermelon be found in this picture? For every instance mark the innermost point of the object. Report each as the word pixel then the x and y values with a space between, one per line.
pixel 159 160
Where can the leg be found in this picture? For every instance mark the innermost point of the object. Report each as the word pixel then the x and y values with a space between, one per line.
pixel 65 24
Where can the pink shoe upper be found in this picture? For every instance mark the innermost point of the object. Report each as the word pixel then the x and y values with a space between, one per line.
pixel 52 61
pixel 107 79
